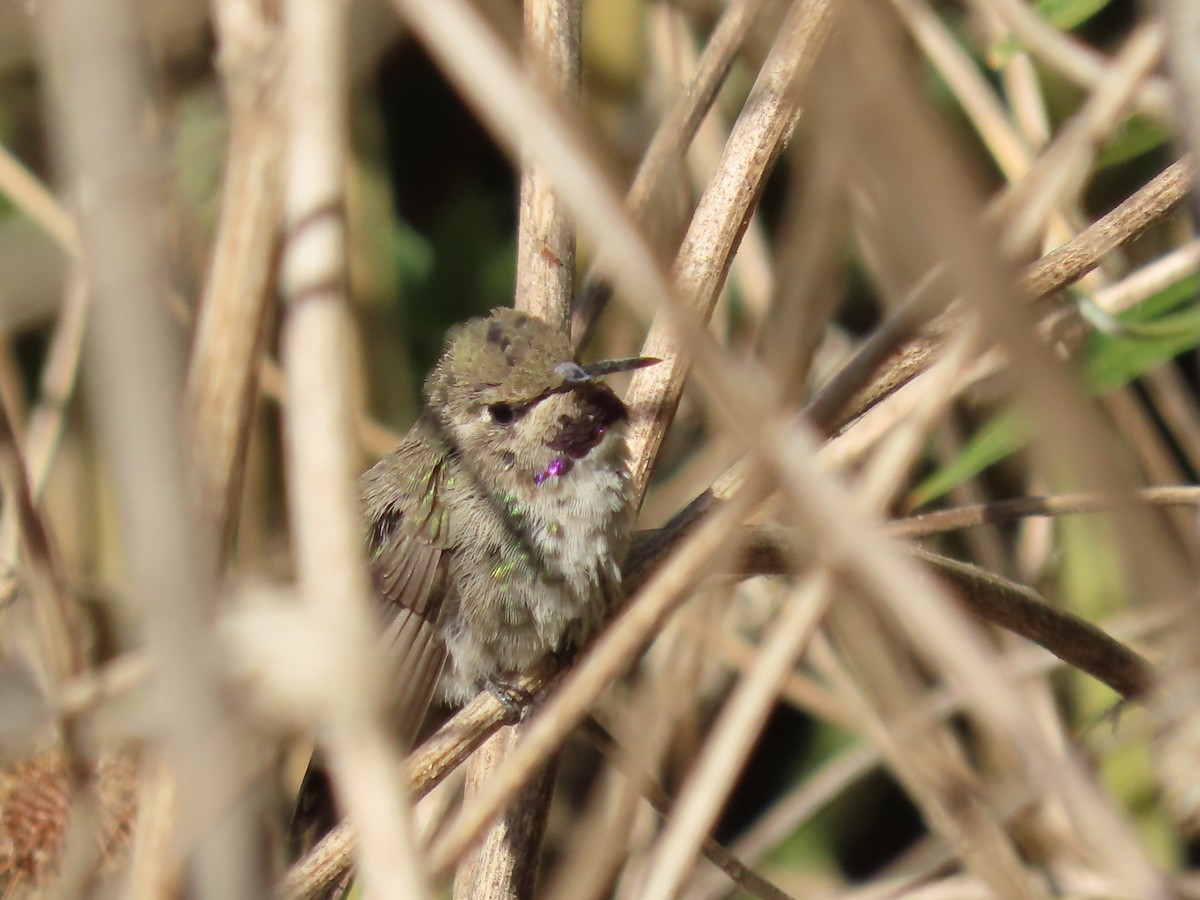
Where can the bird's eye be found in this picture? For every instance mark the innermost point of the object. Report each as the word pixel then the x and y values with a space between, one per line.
pixel 501 413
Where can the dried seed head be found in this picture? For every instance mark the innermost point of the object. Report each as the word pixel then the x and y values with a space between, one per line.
pixel 35 805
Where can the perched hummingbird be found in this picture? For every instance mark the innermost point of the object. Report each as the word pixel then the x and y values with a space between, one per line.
pixel 496 528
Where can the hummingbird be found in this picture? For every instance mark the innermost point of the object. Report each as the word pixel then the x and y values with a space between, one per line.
pixel 497 526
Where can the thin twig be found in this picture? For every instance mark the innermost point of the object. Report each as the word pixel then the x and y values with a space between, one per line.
pixel 1023 612
pixel 1183 31
pixel 427 766
pixel 758 137
pixel 737 871
pixel 55 389
pixel 1070 262
pixel 667 148
pixel 1065 54
pixel 106 119
pixel 505 864
pixel 867 384
pixel 222 384
pixel 1059 174
pixel 924 524
pixel 28 194
pixel 734 734
pixel 326 525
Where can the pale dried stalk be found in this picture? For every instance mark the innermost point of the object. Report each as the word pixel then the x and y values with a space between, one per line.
pixel 153 866
pixel 668 146
pixel 1068 56
pixel 57 385
pixel 106 126
pixel 1060 172
pixel 321 454
pixel 427 766
pixel 729 865
pixel 1143 283
pixel 505 864
pixel 930 765
pixel 1183 33
pixel 733 735
pixel 30 196
pixel 675 59
pixel 55 389
pixel 1176 405
pixel 925 175
pixel 906 358
pixel 758 136
pixel 822 786
pixel 1011 606
pixel 750 271
pixel 1011 150
pixel 925 524
pixel 972 91
pixel 58 624
pixel 927 763
pixel 222 383
pixel 744 714
pixel 546 239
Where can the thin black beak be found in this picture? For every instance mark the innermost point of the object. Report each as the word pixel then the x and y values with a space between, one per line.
pixel 612 366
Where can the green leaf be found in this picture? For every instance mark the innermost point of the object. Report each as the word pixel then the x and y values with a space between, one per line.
pixel 1151 336
pixel 1067 14
pixel 1000 436
pixel 1062 14
pixel 1133 137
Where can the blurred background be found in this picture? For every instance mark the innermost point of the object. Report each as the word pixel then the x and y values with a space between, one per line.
pixel 432 216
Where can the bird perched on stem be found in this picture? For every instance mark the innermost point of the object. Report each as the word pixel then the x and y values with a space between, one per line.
pixel 496 528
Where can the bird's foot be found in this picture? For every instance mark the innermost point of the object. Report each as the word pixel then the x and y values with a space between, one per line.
pixel 516 701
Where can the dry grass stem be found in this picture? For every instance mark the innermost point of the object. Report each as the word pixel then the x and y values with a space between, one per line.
pixel 546 238
pixel 973 92
pixel 923 524
pixel 1058 175
pixel 757 139
pixel 55 389
pixel 505 864
pixel 733 868
pixel 222 383
pixel 732 737
pixel 889 360
pixel 1183 30
pixel 668 146
pixel 821 787
pixel 30 196
pixel 926 176
pixel 1070 57
pixel 444 751
pixel 321 454
pixel 59 627
pixel 106 123
pixel 1179 411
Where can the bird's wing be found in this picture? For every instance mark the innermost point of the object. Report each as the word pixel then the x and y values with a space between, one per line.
pixel 408 536
pixel 407 543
